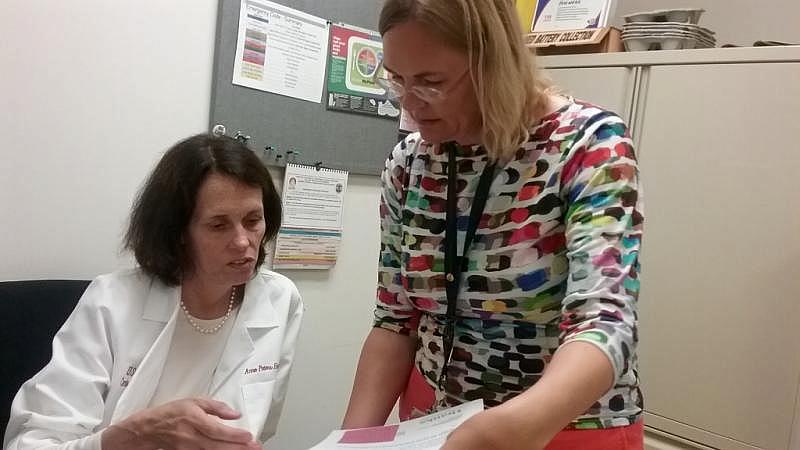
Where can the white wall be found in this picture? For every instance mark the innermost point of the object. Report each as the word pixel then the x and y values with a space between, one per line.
pixel 338 315
pixel 91 93
pixel 739 22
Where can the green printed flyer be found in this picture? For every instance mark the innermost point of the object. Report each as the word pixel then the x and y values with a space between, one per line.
pixel 353 64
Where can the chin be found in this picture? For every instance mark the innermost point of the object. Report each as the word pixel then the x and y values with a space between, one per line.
pixel 432 135
pixel 241 276
pixel 242 279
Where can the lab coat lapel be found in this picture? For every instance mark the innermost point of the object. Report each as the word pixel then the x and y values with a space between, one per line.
pixel 161 306
pixel 256 315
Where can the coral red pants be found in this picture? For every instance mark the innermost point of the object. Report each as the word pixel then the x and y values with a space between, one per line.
pixel 419 398
pixel 621 438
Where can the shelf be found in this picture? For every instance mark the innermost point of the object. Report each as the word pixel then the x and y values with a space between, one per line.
pixel 735 55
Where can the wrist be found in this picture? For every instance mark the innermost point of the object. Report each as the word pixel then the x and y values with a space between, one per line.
pixel 534 415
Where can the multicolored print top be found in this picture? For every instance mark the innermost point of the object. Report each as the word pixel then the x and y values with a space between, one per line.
pixel 554 260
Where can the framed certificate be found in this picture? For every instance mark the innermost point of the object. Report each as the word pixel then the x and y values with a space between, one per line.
pixel 560 15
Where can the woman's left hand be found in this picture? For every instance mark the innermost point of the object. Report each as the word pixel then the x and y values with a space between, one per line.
pixel 492 429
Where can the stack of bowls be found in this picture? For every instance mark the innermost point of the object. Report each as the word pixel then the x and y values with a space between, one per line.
pixel 666 29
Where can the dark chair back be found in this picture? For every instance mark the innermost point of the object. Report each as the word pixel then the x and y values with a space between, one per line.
pixel 31 312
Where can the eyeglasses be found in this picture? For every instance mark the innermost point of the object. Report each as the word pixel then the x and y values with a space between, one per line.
pixel 396 90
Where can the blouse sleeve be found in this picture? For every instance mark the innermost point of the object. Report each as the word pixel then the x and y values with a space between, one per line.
pixel 393 310
pixel 600 183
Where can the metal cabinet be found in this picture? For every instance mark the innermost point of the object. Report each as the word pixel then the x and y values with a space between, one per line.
pixel 717 136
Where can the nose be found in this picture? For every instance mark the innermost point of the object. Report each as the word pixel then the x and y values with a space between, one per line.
pixel 240 239
pixel 410 102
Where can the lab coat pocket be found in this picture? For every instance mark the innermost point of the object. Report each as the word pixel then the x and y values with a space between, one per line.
pixel 257 402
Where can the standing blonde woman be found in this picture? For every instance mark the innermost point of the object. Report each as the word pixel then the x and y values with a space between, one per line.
pixel 510 237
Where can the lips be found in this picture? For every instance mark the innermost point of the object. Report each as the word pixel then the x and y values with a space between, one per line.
pixel 422 120
pixel 241 262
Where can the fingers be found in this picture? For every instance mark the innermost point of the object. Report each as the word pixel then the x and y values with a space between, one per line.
pixel 216 445
pixel 223 433
pixel 190 440
pixel 254 446
pixel 214 429
pixel 190 423
pixel 217 408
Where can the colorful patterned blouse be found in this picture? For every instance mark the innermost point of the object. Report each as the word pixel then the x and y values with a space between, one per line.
pixel 554 260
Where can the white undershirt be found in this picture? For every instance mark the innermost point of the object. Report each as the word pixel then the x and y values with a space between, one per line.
pixel 192 359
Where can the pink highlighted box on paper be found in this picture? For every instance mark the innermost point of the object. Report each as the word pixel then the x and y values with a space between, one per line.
pixel 369 435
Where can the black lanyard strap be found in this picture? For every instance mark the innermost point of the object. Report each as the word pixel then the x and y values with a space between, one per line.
pixel 454 264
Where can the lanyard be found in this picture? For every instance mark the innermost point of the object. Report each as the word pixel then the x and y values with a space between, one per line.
pixel 453 264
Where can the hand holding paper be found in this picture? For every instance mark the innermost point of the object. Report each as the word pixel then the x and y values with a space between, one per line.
pixel 425 433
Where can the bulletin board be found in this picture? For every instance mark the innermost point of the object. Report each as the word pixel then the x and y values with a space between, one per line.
pixel 283 129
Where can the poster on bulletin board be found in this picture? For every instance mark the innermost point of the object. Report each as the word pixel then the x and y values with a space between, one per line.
pixel 354 62
pixel 280 50
pixel 313 200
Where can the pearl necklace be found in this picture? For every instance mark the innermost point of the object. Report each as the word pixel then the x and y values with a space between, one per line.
pixel 218 326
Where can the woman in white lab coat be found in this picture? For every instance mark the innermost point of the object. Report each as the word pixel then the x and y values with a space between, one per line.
pixel 192 349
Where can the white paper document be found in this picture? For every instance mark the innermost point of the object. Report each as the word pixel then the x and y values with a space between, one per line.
pixel 313 202
pixel 424 433
pixel 281 50
pixel 313 198
pixel 559 15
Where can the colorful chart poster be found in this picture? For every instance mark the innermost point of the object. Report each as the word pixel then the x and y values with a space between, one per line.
pixel 281 50
pixel 354 62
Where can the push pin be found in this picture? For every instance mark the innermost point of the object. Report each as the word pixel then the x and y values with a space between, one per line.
pixel 218 130
pixel 241 137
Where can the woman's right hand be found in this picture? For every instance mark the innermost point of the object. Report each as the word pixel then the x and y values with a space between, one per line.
pixel 187 424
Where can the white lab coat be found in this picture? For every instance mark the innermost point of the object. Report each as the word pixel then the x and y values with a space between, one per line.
pixel 108 358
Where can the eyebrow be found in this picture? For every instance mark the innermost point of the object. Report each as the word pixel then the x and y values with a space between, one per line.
pixel 419 75
pixel 248 213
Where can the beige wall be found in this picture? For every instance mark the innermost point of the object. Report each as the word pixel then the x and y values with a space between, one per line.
pixel 735 21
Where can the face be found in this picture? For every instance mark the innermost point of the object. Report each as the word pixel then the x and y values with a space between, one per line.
pixel 226 230
pixel 413 56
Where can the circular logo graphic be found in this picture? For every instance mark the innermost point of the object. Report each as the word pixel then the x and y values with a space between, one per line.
pixel 366 62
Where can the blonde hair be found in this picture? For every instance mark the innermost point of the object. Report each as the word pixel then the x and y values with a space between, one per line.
pixel 511 94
